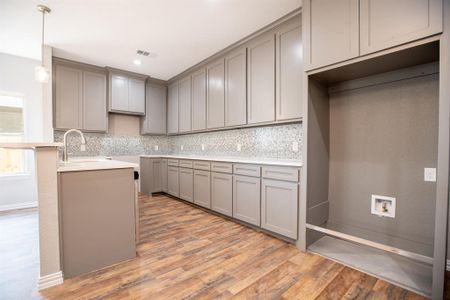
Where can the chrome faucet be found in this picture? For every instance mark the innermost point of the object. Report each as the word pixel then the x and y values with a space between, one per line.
pixel 83 143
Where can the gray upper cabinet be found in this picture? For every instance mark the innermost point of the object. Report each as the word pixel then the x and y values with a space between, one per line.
pixel 154 121
pixel 199 100
pixel 79 97
pixel 215 94
pixel 331 31
pixel 236 88
pixel 172 108
pixel 261 79
pixel 202 189
pixel 289 68
pixel 186 184
pixel 279 207
pixel 94 113
pixel 68 97
pixel 184 104
pixel 386 23
pixel 126 94
pixel 246 199
pixel 222 193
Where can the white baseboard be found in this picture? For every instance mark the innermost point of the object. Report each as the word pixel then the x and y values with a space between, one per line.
pixel 50 280
pixel 18 206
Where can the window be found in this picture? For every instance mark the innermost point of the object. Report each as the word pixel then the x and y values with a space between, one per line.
pixel 11 130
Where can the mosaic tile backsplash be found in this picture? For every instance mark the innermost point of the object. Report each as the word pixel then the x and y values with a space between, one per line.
pixel 272 142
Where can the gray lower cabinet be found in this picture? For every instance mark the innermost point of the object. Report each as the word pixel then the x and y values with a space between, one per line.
pixel 155 167
pixel 172 108
pixel 222 193
pixel 186 177
pixel 164 175
pixel 184 105
pixel 154 121
pixel 279 207
pixel 199 100
pixel 261 79
pixel 202 188
pixel 236 88
pixel 173 187
pixel 215 96
pixel 246 199
pixel 289 62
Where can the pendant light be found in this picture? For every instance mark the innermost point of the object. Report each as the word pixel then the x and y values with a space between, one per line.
pixel 41 73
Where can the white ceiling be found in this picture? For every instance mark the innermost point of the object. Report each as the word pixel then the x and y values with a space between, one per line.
pixel 108 32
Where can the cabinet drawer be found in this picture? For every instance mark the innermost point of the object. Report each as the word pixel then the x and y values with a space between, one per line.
pixel 222 167
pixel 202 165
pixel 281 173
pixel 185 163
pixel 247 170
pixel 172 162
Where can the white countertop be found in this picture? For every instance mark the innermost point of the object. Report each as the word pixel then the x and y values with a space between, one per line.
pixel 257 161
pixel 89 164
pixel 29 145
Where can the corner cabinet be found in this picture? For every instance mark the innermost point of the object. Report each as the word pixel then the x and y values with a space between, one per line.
pixel 172 108
pixel 154 121
pixel 79 96
pixel 126 93
pixel 261 79
pixel 385 24
pixel 331 31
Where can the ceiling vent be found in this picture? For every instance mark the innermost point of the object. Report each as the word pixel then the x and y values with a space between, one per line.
pixel 143 53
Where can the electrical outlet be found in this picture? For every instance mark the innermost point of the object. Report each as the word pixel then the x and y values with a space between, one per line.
pixel 83 147
pixel 429 174
pixel 181 147
pixel 203 147
pixel 238 147
pixel 295 146
pixel 156 147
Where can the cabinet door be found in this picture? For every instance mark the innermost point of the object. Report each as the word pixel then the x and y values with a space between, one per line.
pixel 215 95
pixel 145 175
pixel 186 184
pixel 164 175
pixel 199 100
pixel 261 79
pixel 387 23
pixel 95 115
pixel 68 97
pixel 184 104
pixel 222 193
pixel 202 188
pixel 119 93
pixel 156 175
pixel 279 207
pixel 172 108
pixel 136 97
pixel 331 31
pixel 246 199
pixel 154 121
pixel 173 187
pixel 289 70
pixel 236 88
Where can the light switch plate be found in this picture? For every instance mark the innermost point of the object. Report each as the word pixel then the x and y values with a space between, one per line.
pixel 295 146
pixel 238 147
pixel 429 174
pixel 203 147
pixel 156 147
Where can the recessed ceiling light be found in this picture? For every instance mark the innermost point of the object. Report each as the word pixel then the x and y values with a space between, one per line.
pixel 137 62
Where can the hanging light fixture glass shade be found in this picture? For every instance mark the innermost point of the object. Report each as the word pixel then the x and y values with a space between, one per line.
pixel 41 73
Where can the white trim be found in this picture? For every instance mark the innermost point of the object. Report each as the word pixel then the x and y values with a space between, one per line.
pixel 50 280
pixel 448 265
pixel 18 206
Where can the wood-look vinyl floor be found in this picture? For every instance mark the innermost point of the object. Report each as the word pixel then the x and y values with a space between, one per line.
pixel 187 253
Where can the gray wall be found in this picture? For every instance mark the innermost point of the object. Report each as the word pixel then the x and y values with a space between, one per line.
pixel 381 139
